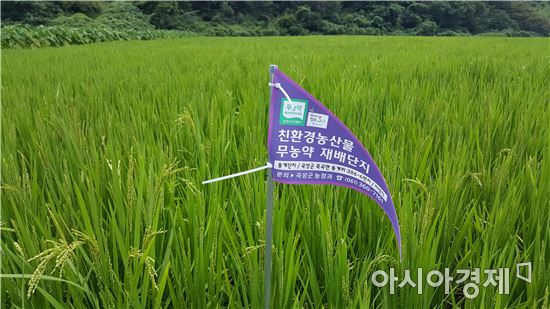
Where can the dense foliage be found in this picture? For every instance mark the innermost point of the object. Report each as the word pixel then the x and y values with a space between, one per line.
pixel 241 18
pixel 54 36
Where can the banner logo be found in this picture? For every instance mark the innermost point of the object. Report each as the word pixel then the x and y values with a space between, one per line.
pixel 317 120
pixel 293 113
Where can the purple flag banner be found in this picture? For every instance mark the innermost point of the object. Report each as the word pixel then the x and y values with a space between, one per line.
pixel 307 144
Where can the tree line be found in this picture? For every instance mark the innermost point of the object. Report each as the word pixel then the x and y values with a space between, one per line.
pixel 249 18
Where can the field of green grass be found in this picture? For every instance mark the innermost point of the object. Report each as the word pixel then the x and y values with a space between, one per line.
pixel 104 148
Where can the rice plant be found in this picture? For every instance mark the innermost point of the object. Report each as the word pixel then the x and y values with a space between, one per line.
pixel 104 148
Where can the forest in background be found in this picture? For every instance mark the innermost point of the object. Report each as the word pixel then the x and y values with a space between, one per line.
pixel 50 23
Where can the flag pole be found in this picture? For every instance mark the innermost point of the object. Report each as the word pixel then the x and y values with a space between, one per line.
pixel 269 224
pixel 268 238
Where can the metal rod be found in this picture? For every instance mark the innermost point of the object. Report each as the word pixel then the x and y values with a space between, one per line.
pixel 268 165
pixel 268 238
pixel 269 224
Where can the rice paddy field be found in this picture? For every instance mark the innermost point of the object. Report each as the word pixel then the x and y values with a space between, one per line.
pixel 105 146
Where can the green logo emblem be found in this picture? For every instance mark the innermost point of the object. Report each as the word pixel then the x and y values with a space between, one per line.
pixel 293 113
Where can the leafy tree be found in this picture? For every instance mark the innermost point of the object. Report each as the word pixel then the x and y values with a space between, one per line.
pixel 32 13
pixel 496 20
pixel 409 19
pixel 378 22
pixel 124 15
pixel 89 8
pixel 309 20
pixel 166 15
pixel 329 10
pixel 226 10
pixel 290 25
pixel 355 20
pixel 427 27
pixel 419 8
pixel 528 18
